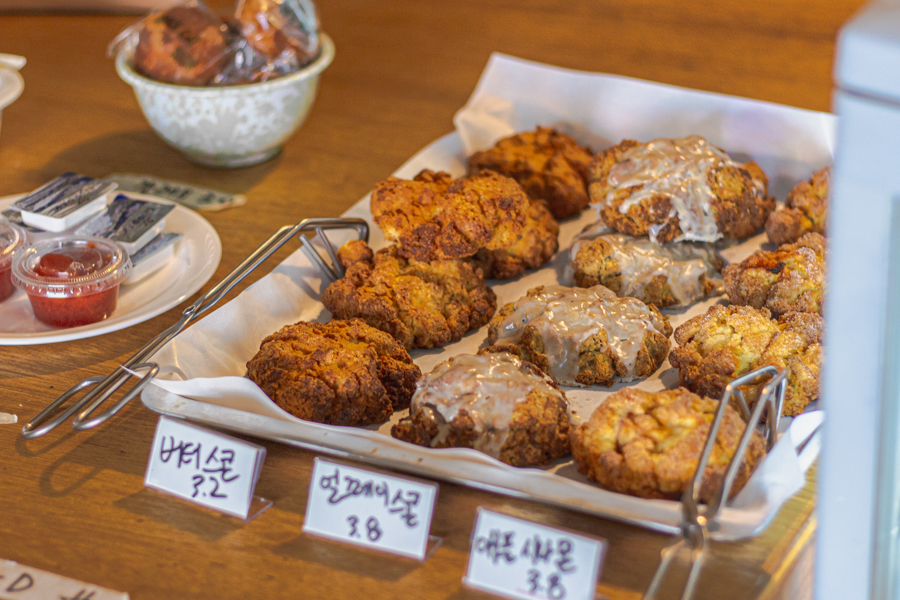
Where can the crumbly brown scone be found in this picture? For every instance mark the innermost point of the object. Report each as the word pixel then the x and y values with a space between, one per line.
pixel 497 404
pixel 582 336
pixel 729 341
pixel 675 274
pixel 792 278
pixel 648 444
pixel 538 244
pixel 434 217
pixel 183 45
pixel 549 166
pixel 421 304
pixel 681 189
pixel 804 211
pixel 340 373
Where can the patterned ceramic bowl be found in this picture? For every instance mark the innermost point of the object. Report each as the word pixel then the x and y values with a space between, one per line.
pixel 233 126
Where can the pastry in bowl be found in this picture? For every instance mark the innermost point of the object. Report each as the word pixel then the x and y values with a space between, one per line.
pixel 683 189
pixel 648 444
pixel 340 373
pixel 804 211
pixel 549 165
pixel 421 304
pixel 583 336
pixel 729 341
pixel 538 244
pixel 494 403
pixel 791 278
pixel 435 217
pixel 676 274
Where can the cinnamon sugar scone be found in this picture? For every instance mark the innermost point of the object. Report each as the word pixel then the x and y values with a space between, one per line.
pixel 648 444
pixel 494 403
pixel 729 341
pixel 791 278
pixel 676 274
pixel 683 189
pixel 583 336
pixel 340 373
pixel 549 165
pixel 421 304
pixel 805 210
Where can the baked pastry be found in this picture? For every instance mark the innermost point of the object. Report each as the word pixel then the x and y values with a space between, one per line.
pixel 676 274
pixel 494 403
pixel 648 444
pixel 583 336
pixel 274 32
pixel 792 278
pixel 184 45
pixel 729 341
pixel 538 244
pixel 683 189
pixel 804 211
pixel 435 217
pixel 549 165
pixel 421 304
pixel 340 373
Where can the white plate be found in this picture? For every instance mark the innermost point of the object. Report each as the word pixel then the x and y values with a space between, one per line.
pixel 197 256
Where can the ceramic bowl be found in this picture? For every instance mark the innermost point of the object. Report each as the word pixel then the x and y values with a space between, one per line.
pixel 232 126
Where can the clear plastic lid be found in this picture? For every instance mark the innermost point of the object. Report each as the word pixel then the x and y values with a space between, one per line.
pixel 70 266
pixel 12 238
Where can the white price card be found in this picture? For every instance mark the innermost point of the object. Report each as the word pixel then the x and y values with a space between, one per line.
pixel 520 559
pixel 370 509
pixel 203 466
pixel 18 582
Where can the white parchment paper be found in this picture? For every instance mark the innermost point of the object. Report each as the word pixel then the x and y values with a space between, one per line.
pixel 513 95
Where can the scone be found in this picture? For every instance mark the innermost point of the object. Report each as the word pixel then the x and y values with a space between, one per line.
pixel 494 403
pixel 683 189
pixel 805 210
pixel 648 444
pixel 421 304
pixel 792 278
pixel 583 336
pixel 340 373
pixel 729 341
pixel 676 274
pixel 538 244
pixel 549 165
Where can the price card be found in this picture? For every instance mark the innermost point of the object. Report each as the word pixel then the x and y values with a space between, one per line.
pixel 370 509
pixel 520 559
pixel 18 582
pixel 209 468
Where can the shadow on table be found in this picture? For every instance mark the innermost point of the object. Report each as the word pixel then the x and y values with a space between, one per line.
pixel 143 152
pixel 333 555
pixel 182 515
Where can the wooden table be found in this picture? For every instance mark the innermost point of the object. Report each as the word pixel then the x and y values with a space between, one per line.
pixel 75 504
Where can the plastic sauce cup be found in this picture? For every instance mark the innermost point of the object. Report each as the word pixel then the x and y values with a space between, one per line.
pixel 12 238
pixel 71 280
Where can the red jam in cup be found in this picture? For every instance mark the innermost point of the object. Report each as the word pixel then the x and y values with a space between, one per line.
pixel 71 281
pixel 11 239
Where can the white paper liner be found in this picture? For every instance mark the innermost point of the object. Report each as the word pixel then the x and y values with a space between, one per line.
pixel 514 95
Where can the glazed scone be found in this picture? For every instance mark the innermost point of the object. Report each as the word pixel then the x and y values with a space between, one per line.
pixel 538 244
pixel 805 210
pixel 729 341
pixel 435 217
pixel 549 165
pixel 494 403
pixel 683 189
pixel 791 278
pixel 676 274
pixel 340 373
pixel 421 304
pixel 648 444
pixel 583 336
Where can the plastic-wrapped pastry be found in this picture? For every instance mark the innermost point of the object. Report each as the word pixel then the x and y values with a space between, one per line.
pixel 648 444
pixel 683 189
pixel 583 336
pixel 494 403
pixel 675 274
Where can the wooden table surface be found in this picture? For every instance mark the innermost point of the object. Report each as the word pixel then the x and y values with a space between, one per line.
pixel 75 504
